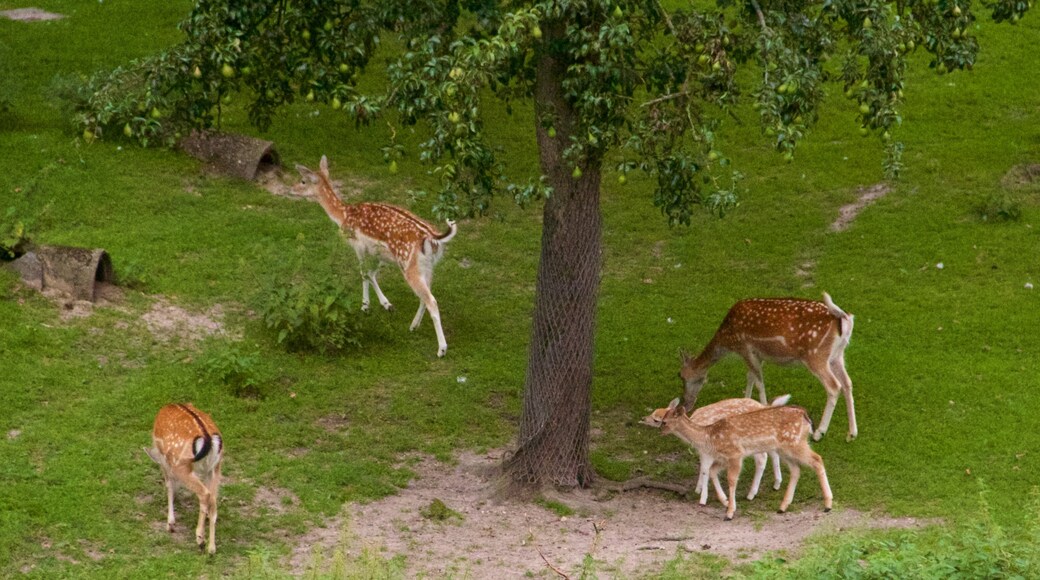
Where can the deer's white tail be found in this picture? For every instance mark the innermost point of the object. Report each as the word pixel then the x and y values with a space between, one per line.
pixel 452 230
pixel 780 401
pixel 845 319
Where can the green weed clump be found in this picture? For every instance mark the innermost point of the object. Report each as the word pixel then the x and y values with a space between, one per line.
pixel 240 372
pixel 13 236
pixel 312 314
pixel 439 511
pixel 980 548
pixel 1000 206
pixel 341 565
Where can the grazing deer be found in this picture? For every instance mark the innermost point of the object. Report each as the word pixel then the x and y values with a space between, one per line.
pixel 390 234
pixel 709 414
pixel 783 330
pixel 187 445
pixel 784 430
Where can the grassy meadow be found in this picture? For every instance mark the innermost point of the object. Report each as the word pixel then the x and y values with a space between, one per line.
pixel 944 359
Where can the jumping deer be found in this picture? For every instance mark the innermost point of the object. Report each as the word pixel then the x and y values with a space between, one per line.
pixel 187 445
pixel 787 331
pixel 725 443
pixel 389 234
pixel 709 414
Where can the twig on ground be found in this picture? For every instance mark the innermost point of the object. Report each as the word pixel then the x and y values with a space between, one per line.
pixel 551 567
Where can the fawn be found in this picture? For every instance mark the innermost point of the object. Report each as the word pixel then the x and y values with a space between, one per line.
pixel 390 234
pixel 187 445
pixel 728 441
pixel 783 330
pixel 709 414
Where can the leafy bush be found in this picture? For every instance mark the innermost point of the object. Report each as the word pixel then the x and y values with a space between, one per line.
pixel 13 238
pixel 313 314
pixel 229 366
pixel 1000 206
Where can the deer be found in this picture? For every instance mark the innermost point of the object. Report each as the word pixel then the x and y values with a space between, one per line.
pixel 786 331
pixel 726 442
pixel 390 234
pixel 189 449
pixel 709 414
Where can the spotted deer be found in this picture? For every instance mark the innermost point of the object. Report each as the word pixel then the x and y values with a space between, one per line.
pixel 786 331
pixel 187 445
pixel 389 234
pixel 709 414
pixel 726 442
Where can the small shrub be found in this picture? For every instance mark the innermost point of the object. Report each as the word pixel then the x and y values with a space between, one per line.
pixel 1000 206
pixel 13 237
pixel 131 274
pixel 439 512
pixel 312 314
pixel 239 372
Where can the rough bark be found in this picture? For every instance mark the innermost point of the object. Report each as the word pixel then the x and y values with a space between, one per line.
pixel 553 443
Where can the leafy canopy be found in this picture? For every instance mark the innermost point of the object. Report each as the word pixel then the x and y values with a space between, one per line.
pixel 652 83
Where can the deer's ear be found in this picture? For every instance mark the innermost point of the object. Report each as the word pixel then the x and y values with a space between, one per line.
pixel 307 174
pixel 324 166
pixel 673 404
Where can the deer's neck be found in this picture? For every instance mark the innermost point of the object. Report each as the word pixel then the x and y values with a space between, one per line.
pixel 691 433
pixel 708 357
pixel 334 207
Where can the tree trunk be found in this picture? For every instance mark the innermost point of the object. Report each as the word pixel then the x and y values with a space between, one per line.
pixel 553 444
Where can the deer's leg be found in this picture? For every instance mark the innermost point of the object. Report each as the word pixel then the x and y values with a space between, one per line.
pixel 754 377
pixel 732 475
pixel 702 480
pixel 171 488
pixel 185 475
pixel 417 280
pixel 760 467
pixel 816 462
pixel 428 277
pixel 371 277
pixel 778 478
pixel 833 387
pixel 838 368
pixel 214 487
pixel 714 476
pixel 795 471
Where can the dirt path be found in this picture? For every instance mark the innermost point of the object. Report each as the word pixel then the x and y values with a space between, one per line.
pixel 630 533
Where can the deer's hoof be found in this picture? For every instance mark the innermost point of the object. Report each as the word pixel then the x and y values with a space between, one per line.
pixel 826 510
pixel 728 519
pixel 169 527
pixel 388 307
pixel 817 436
pixel 364 307
pixel 850 437
pixel 781 511
pixel 440 352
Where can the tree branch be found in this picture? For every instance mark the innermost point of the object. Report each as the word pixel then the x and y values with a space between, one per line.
pixel 639 482
pixel 761 17
pixel 551 567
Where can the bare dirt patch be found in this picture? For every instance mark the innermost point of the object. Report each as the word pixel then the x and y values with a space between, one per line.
pixel 71 308
pixel 168 322
pixel 272 501
pixel 30 14
pixel 1021 176
pixel 627 533
pixel 867 196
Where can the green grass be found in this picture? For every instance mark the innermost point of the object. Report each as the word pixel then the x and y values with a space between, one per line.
pixel 944 361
